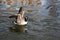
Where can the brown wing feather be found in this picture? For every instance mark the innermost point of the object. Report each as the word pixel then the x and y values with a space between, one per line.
pixel 13 16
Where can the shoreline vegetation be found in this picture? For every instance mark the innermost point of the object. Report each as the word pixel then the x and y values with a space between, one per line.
pixel 21 2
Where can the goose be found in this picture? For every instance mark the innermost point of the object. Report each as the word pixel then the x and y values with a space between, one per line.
pixel 19 17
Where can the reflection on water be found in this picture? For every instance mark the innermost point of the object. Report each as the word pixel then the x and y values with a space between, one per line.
pixel 52 8
pixel 18 28
pixel 53 11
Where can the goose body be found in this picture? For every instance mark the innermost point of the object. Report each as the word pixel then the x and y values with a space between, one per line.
pixel 24 23
pixel 20 19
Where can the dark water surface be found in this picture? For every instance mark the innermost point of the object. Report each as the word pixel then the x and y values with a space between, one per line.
pixel 42 25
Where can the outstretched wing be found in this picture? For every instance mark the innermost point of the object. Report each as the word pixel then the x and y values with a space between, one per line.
pixel 13 16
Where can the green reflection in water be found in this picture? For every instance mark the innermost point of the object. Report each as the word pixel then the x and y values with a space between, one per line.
pixel 18 28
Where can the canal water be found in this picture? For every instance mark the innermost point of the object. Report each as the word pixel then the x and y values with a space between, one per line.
pixel 42 25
